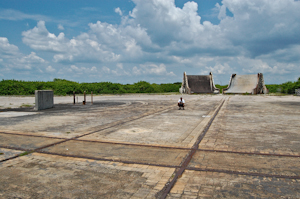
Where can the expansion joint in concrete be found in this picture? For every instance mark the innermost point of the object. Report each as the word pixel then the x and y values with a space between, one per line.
pixel 166 190
pixel 243 173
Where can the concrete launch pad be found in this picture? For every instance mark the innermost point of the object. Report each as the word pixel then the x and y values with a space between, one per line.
pixel 142 146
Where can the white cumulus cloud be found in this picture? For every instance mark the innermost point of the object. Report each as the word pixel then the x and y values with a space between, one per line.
pixel 151 69
pixel 259 35
pixel 119 11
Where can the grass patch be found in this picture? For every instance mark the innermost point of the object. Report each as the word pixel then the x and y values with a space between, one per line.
pixel 1 153
pixel 26 105
pixel 68 132
pixel 278 94
pixel 247 93
pixel 25 153
pixel 221 87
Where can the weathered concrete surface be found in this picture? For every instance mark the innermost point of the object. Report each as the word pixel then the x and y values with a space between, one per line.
pixel 68 120
pixel 197 184
pixel 246 84
pixel 247 163
pixel 47 176
pixel 242 84
pixel 198 84
pixel 118 152
pixel 8 153
pixel 43 99
pixel 245 124
pixel 169 128
pixel 25 142
pixel 265 124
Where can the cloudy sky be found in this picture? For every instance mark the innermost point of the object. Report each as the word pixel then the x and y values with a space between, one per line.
pixel 127 41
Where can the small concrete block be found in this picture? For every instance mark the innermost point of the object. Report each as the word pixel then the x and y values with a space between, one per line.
pixel 43 99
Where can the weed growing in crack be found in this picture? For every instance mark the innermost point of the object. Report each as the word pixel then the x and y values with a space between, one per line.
pixel 25 153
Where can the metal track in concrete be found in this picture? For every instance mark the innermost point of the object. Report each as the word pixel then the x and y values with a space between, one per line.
pixel 132 144
pixel 30 135
pixel 147 145
pixel 14 148
pixel 109 160
pixel 243 173
pixel 251 153
pixel 151 164
pixel 166 190
pixel 13 157
pixel 179 169
pixel 120 122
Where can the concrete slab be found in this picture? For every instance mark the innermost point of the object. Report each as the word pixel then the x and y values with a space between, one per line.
pixel 272 165
pixel 119 152
pixel 8 153
pixel 25 142
pixel 170 128
pixel 68 120
pixel 265 124
pixel 46 176
pixel 15 114
pixel 198 184
pixel 245 124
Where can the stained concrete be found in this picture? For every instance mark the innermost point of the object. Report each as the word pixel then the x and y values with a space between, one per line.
pixel 266 124
pixel 25 142
pixel 247 163
pixel 119 152
pixel 48 176
pixel 8 153
pixel 43 99
pixel 118 129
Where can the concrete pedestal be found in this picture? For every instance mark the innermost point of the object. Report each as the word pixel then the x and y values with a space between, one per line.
pixel 43 99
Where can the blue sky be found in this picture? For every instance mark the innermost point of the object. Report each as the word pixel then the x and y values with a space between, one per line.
pixel 127 41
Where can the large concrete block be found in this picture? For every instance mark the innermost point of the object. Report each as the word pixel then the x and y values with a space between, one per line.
pixel 43 99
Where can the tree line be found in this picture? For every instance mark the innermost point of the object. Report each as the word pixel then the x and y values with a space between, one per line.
pixel 66 87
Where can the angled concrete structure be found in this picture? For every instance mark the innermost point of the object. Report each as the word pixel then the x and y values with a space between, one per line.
pixel 252 84
pixel 198 84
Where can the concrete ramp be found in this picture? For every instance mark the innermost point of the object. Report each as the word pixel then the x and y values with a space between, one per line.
pixel 198 84
pixel 240 84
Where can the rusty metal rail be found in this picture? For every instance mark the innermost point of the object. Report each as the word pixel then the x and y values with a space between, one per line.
pixel 14 148
pixel 251 153
pixel 79 136
pixel 133 144
pixel 179 169
pixel 30 135
pixel 109 160
pixel 147 145
pixel 244 173
pixel 166 190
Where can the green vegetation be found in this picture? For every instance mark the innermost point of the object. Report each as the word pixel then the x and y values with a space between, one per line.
pixel 65 87
pixel 287 88
pixel 25 153
pixel 26 105
pixel 221 87
pixel 1 153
